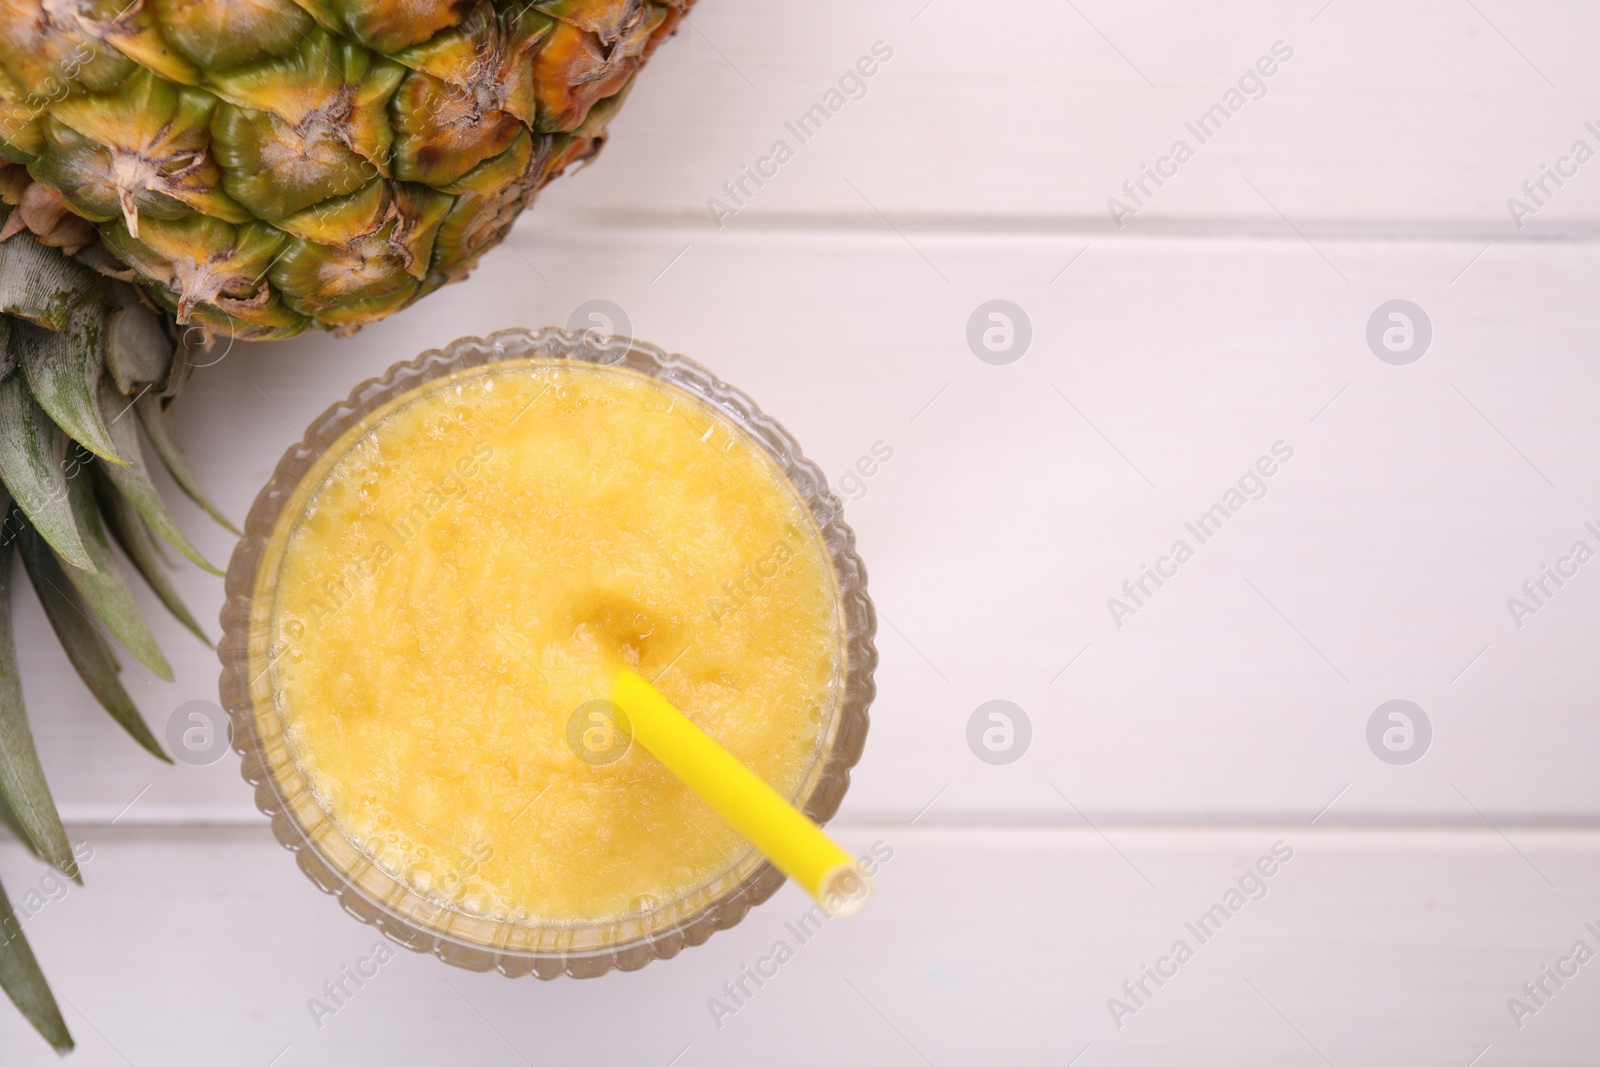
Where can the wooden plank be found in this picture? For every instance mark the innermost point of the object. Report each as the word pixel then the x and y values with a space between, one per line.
pixel 981 946
pixel 1019 498
pixel 1421 117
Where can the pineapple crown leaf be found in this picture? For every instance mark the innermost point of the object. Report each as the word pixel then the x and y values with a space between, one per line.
pixel 134 536
pixel 155 417
pixel 21 778
pixel 64 368
pixel 25 983
pixel 73 396
pixel 33 465
pixel 41 285
pixel 104 588
pixel 91 656
pixel 134 481
pixel 14 824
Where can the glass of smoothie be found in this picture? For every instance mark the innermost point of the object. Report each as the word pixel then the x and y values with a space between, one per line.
pixel 434 594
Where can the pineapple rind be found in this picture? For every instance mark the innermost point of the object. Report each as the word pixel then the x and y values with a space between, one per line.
pixel 450 114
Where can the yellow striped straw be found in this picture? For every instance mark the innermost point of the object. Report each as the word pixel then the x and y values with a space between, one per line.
pixel 795 845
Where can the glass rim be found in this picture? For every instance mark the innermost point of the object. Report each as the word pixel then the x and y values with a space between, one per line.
pixel 385 901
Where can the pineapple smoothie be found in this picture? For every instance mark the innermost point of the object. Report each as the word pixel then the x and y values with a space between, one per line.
pixel 463 583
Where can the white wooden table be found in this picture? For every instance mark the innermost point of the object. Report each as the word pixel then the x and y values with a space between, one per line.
pixel 1227 712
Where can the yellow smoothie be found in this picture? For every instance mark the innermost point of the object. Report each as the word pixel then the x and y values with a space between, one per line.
pixel 471 572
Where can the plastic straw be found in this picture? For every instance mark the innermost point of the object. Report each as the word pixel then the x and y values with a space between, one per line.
pixel 795 845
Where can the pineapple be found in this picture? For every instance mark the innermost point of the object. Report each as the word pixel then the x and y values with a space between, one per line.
pixel 176 170
pixel 261 166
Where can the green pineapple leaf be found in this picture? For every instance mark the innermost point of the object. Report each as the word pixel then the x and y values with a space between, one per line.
pixel 140 546
pixel 13 824
pixel 138 351
pixel 104 588
pixel 85 647
pixel 40 284
pixel 133 480
pixel 64 368
pixel 157 421
pixel 25 983
pixel 33 464
pixel 21 778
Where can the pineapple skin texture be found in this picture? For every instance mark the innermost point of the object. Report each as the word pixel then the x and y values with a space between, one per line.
pixel 264 166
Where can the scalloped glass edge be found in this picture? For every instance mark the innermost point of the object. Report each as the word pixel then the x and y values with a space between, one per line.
pixel 480 943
